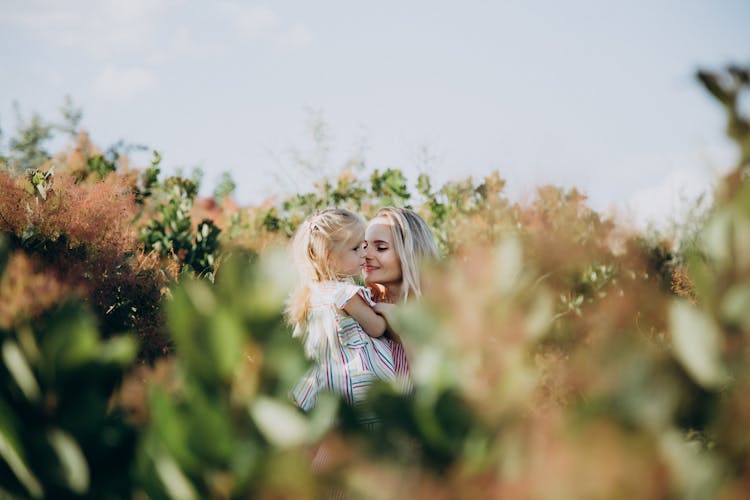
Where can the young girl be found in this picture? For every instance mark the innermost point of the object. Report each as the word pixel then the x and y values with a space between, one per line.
pixel 340 331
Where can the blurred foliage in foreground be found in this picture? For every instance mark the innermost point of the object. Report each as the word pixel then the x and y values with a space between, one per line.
pixel 556 354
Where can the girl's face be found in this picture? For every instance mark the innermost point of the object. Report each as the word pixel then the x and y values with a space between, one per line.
pixel 382 264
pixel 349 256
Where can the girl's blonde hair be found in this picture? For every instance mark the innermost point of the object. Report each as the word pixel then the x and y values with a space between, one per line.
pixel 414 244
pixel 314 242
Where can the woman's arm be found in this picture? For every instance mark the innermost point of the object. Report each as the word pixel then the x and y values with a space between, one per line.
pixel 373 324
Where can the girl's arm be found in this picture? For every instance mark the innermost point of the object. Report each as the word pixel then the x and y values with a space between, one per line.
pixel 373 324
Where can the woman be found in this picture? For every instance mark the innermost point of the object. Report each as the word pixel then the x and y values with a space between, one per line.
pixel 398 243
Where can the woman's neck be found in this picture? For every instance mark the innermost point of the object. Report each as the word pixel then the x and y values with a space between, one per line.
pixel 393 292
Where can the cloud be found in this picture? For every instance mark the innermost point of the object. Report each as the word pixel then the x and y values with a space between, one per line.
pixel 671 198
pixel 261 23
pixel 151 30
pixel 297 36
pixel 103 28
pixel 252 21
pixel 121 84
pixel 182 44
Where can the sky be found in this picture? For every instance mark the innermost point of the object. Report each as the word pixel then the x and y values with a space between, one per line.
pixel 596 95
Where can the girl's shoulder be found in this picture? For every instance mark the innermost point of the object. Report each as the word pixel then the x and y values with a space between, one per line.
pixel 338 293
pixel 327 287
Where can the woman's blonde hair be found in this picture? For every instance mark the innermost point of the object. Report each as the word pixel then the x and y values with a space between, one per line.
pixel 414 244
pixel 314 242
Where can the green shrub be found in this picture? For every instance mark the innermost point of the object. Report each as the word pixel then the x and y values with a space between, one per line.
pixel 59 437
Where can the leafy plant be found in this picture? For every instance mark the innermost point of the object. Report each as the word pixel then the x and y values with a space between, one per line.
pixel 59 438
pixel 224 426
pixel 551 342
pixel 171 232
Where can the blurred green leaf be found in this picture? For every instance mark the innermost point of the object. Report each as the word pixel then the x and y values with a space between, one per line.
pixel 120 350
pixel 72 339
pixel 281 423
pixel 735 307
pixel 226 338
pixel 16 363
pixel 12 453
pixel 75 468
pixel 717 237
pixel 540 316
pixel 697 344
pixel 509 256
pixel 173 479
pixel 697 474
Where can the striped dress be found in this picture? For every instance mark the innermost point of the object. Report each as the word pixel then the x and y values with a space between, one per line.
pixel 401 366
pixel 346 361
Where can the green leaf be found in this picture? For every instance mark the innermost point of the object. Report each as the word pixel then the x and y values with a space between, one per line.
pixel 118 350
pixel 226 338
pixel 509 261
pixel 280 423
pixel 697 475
pixel 72 340
pixel 540 316
pixel 173 479
pixel 717 237
pixel 697 344
pixel 75 467
pixel 735 307
pixel 169 430
pixel 11 452
pixel 20 370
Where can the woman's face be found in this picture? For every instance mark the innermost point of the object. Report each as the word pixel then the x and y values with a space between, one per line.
pixel 382 264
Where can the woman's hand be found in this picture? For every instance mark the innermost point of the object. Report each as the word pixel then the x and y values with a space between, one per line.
pixel 387 311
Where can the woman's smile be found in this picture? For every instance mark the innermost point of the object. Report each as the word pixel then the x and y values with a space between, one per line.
pixel 382 264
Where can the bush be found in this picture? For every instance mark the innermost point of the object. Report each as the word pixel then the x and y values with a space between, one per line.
pixel 554 354
pixel 60 438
